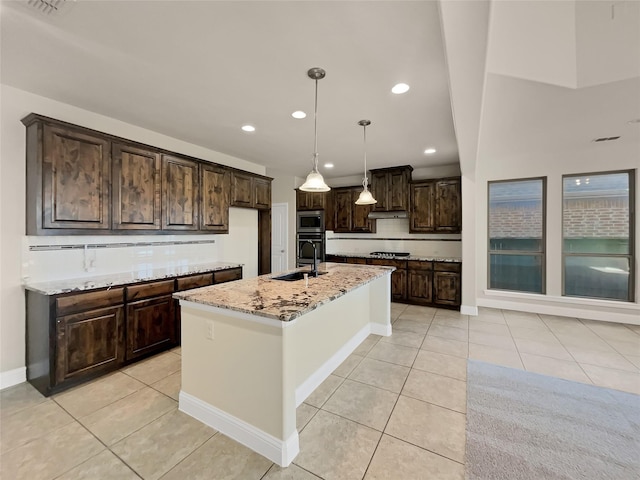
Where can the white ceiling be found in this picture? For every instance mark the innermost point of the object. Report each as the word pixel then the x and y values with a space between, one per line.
pixel 199 70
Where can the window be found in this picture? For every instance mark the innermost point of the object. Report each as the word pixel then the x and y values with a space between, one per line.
pixel 517 235
pixel 597 229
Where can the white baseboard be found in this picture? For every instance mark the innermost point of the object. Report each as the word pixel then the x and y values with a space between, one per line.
pixel 469 310
pixel 629 313
pixel 13 377
pixel 278 451
pixel 327 368
pixel 383 330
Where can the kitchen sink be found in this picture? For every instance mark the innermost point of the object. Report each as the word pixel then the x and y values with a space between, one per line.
pixel 292 277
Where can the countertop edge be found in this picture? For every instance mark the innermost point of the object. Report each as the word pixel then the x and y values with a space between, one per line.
pixel 73 285
pixel 420 258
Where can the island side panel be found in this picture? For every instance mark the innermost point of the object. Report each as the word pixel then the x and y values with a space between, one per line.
pixel 239 371
pixel 319 341
pixel 380 305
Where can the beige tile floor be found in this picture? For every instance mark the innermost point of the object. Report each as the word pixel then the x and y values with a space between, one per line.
pixel 396 408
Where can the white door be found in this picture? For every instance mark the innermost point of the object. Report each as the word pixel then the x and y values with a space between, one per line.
pixel 279 236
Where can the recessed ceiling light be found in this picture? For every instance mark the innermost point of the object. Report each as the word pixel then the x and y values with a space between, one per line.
pixel 298 114
pixel 328 165
pixel 400 88
pixel 430 151
pixel 248 128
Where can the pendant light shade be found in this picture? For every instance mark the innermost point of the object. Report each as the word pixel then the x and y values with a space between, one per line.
pixel 365 198
pixel 315 182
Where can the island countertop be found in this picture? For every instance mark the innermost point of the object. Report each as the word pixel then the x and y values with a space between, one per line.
pixel 267 297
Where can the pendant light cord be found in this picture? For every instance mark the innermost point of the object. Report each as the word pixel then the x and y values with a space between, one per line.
pixel 365 181
pixel 315 119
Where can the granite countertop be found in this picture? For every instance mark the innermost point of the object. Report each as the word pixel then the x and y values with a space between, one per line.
pixel 265 297
pixel 55 287
pixel 420 258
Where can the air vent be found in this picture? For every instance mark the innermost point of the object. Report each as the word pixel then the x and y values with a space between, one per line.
pixel 605 139
pixel 50 7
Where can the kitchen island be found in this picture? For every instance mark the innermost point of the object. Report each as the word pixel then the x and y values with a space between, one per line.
pixel 254 349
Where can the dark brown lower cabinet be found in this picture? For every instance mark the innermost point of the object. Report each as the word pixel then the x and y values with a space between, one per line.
pixel 416 281
pixel 419 286
pixel 447 283
pixel 151 326
pixel 89 343
pixel 399 285
pixel 75 337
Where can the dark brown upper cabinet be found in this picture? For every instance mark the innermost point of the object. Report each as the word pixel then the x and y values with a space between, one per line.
pixel 215 187
pixel 136 188
pixel 250 191
pixel 349 217
pixel 82 182
pixel 311 200
pixel 436 206
pixel 68 179
pixel 180 178
pixel 448 205
pixel 262 193
pixel 390 187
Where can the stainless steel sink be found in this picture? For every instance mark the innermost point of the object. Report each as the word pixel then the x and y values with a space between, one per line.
pixel 292 277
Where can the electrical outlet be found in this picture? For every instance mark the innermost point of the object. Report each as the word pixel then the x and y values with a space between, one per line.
pixel 210 330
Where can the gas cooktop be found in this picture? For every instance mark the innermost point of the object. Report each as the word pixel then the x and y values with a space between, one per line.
pixel 389 254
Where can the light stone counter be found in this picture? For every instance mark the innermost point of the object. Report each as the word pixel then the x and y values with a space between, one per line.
pixel 267 297
pixel 55 287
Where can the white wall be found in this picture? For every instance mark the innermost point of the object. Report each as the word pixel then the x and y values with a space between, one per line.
pixel 239 246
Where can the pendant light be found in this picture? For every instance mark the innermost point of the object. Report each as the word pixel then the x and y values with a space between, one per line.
pixel 365 197
pixel 315 182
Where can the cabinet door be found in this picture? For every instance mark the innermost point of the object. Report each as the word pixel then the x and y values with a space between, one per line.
pixel 241 190
pixel 216 185
pixel 398 196
pixel 76 180
pixel 399 285
pixel 446 288
pixel 262 193
pixel 318 200
pixel 360 222
pixel 419 286
pixel 380 190
pixel 448 211
pixel 303 200
pixel 89 342
pixel 343 207
pixel 136 188
pixel 151 325
pixel 179 193
pixel 421 215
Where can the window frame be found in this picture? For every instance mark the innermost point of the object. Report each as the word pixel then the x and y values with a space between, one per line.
pixel 632 231
pixel 542 254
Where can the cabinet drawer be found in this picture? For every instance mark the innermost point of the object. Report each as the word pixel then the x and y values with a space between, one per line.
pixel 82 302
pixel 399 264
pixel 418 265
pixel 194 281
pixel 447 266
pixel 227 275
pixel 138 292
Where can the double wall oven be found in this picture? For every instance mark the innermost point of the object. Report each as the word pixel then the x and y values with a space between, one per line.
pixel 310 228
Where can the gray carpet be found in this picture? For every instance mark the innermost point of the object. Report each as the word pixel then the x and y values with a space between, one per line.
pixel 522 425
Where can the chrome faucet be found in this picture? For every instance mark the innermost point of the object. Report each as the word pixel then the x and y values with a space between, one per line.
pixel 314 270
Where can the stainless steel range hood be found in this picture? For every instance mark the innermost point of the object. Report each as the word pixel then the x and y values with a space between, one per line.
pixel 396 214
